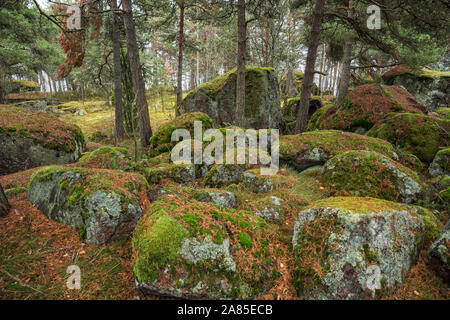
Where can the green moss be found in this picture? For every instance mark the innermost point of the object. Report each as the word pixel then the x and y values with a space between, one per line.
pixel 44 175
pixel 244 240
pixel 418 134
pixel 365 173
pixel 158 246
pixel 16 190
pixel 317 117
pixel 371 257
pixel 358 205
pixel 444 112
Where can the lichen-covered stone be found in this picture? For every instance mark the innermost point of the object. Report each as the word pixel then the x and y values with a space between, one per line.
pixel 195 250
pixel 418 134
pixel 314 148
pixel 438 255
pixel 440 164
pixel 217 99
pixel 181 173
pixel 272 209
pixel 370 174
pixel 161 141
pixel 366 105
pixel 223 199
pixel 31 139
pixel 354 248
pixel 430 87
pixel 223 175
pixel 102 205
pixel 106 158
pixel 257 183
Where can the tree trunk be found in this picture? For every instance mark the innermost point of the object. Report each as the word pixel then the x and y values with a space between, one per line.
pixel 346 62
pixel 145 130
pixel 4 205
pixel 180 62
pixel 118 103
pixel 344 80
pixel 303 109
pixel 192 74
pixel 240 81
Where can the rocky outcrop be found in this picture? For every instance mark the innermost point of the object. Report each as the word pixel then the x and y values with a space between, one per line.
pixel 415 133
pixel 431 88
pixel 31 139
pixel 223 199
pixel 438 255
pixel 217 99
pixel 366 105
pixel 314 148
pixel 187 249
pixel 354 248
pixel 4 205
pixel 440 164
pixel 370 174
pixel 102 205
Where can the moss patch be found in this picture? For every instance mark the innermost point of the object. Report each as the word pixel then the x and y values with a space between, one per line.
pixel 418 134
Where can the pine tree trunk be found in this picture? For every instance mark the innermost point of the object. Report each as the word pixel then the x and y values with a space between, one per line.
pixel 118 103
pixel 240 81
pixel 180 62
pixel 4 205
pixel 145 130
pixel 344 80
pixel 302 112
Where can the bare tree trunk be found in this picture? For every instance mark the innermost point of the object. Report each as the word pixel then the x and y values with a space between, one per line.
pixel 4 205
pixel 303 109
pixel 344 80
pixel 192 74
pixel 240 81
pixel 118 103
pixel 346 62
pixel 180 62
pixel 145 130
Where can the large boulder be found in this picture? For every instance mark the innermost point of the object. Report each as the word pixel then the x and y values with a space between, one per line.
pixel 102 205
pixel 106 157
pixel 354 248
pixel 161 141
pixel 366 105
pixel 31 139
pixel 289 118
pixel 4 205
pixel 187 249
pixel 438 255
pixel 370 174
pixel 314 148
pixel 418 134
pixel 440 164
pixel 217 99
pixel 431 88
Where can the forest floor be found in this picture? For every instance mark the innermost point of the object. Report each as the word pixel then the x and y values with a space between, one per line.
pixel 35 251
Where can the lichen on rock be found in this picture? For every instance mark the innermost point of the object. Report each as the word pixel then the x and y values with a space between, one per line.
pixel 354 248
pixel 102 205
pixel 370 174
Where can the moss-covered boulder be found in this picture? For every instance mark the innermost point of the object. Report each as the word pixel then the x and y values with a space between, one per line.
pixel 31 139
pixel 188 249
pixel 181 173
pixel 270 209
pixel 223 199
pixel 106 157
pixel 366 105
pixel 161 141
pixel 354 248
pixel 289 116
pixel 438 255
pixel 429 87
pixel 102 205
pixel 314 148
pixel 370 174
pixel 440 164
pixel 217 99
pixel 418 134
pixel 220 175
